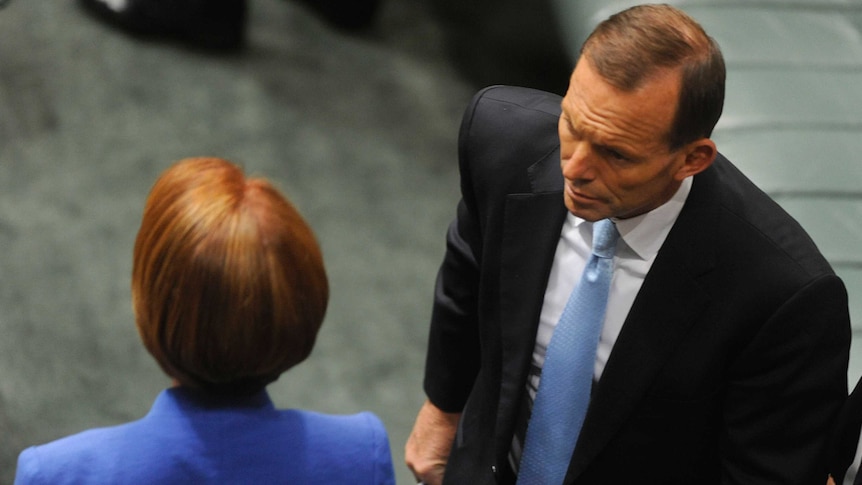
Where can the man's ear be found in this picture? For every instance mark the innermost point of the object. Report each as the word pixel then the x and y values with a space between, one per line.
pixel 699 155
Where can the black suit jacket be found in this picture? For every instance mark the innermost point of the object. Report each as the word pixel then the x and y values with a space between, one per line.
pixel 845 439
pixel 731 362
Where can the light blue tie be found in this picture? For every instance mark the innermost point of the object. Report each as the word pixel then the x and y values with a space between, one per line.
pixel 567 374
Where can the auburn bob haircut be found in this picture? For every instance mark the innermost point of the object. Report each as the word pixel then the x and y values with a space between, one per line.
pixel 228 283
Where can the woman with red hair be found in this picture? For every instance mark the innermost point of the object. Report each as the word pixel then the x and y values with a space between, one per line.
pixel 229 291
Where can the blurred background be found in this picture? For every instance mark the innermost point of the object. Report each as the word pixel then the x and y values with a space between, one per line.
pixel 359 129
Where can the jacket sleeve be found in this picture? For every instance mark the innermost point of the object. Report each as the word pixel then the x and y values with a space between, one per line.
pixel 786 388
pixel 505 130
pixel 453 359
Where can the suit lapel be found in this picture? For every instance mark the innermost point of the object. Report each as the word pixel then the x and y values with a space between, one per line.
pixel 666 306
pixel 531 231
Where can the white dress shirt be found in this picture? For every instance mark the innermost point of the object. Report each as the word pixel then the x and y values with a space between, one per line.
pixel 641 238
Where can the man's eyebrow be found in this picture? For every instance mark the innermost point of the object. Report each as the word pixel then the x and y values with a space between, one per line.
pixel 565 112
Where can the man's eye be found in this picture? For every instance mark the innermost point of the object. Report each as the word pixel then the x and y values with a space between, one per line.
pixel 615 154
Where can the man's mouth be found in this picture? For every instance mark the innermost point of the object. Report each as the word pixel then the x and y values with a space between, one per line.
pixel 579 195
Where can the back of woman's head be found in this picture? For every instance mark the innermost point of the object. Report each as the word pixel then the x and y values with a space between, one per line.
pixel 228 283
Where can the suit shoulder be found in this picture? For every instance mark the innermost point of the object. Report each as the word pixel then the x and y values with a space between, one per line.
pixel 363 426
pixel 76 458
pixel 508 107
pixel 759 216
pixel 341 446
pixel 508 128
pixel 518 97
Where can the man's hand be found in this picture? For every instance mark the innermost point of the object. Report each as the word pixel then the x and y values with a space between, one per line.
pixel 428 446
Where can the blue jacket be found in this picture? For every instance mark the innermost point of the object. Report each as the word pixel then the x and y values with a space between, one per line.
pixel 190 438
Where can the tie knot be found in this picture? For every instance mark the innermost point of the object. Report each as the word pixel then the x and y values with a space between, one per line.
pixel 605 237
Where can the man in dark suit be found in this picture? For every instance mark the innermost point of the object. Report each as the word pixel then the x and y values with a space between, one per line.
pixel 724 349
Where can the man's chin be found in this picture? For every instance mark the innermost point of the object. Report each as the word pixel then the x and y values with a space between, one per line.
pixel 590 214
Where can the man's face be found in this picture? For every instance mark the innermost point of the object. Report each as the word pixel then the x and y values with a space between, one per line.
pixel 613 145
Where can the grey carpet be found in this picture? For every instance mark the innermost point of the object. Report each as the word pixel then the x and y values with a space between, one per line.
pixel 358 130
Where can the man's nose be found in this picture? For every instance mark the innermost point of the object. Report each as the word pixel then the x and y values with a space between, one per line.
pixel 579 165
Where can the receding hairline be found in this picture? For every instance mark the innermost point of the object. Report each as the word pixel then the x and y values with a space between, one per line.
pixel 637 45
pixel 668 37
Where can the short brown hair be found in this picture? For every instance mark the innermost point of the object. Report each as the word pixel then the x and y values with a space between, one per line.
pixel 228 283
pixel 633 45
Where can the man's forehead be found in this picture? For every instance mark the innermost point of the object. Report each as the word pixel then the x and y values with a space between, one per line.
pixel 645 113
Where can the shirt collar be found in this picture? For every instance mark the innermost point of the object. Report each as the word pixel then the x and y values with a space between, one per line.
pixel 644 234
